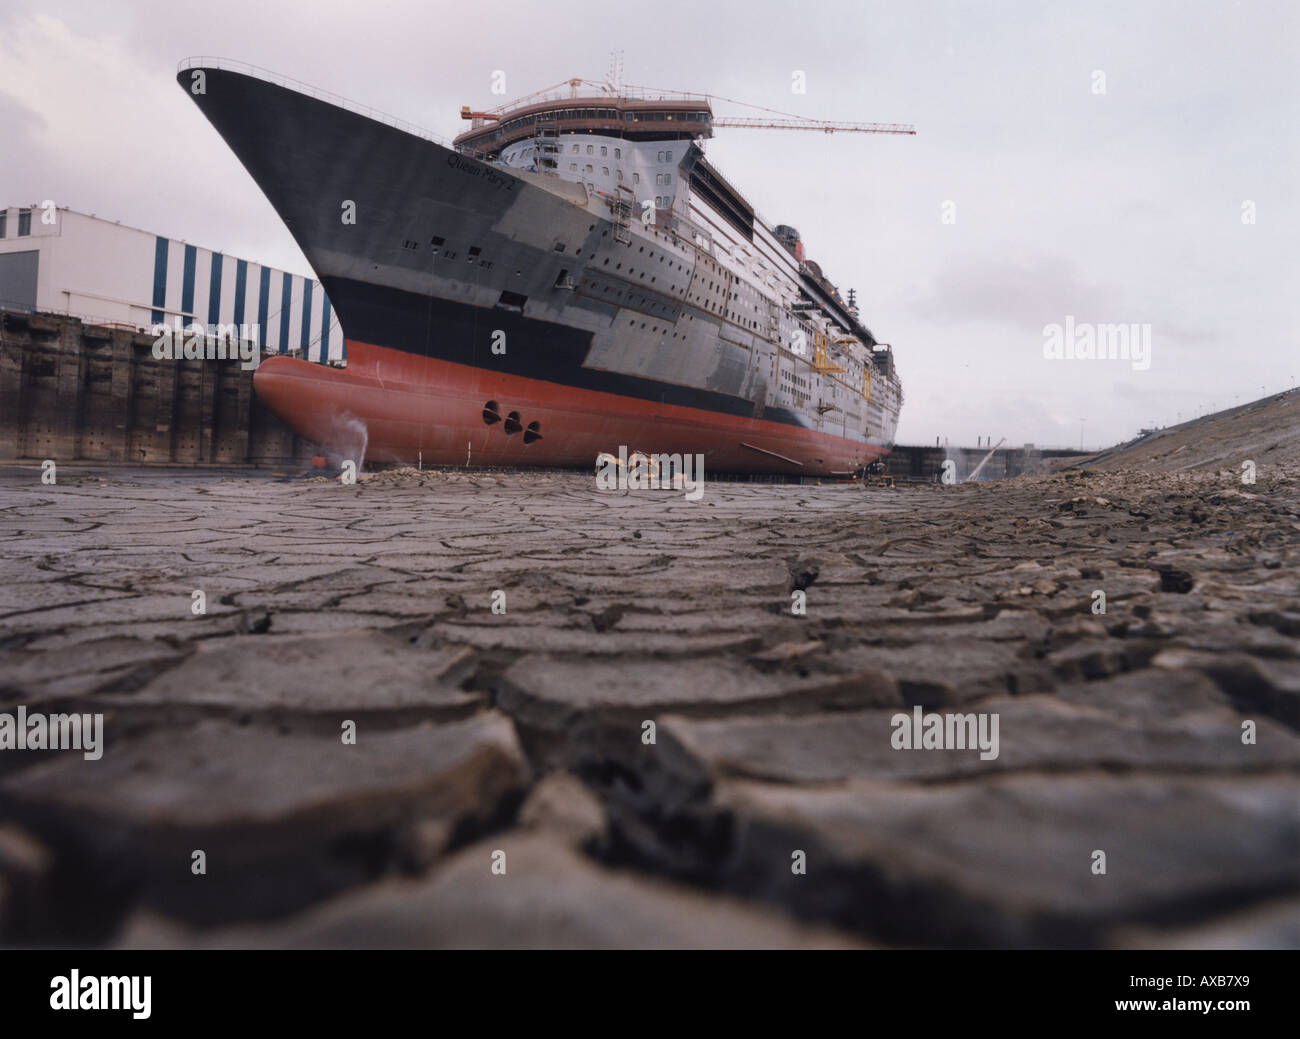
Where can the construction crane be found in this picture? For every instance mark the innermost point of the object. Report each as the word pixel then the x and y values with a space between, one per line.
pixel 814 124
pixel 791 121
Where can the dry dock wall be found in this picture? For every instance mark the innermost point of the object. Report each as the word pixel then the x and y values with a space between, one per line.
pixel 70 390
pixel 924 464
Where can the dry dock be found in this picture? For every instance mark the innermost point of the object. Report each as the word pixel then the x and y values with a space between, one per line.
pixel 503 785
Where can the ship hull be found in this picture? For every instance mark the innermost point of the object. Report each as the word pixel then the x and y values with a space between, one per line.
pixel 392 406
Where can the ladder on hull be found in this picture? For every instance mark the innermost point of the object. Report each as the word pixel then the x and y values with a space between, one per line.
pixel 621 209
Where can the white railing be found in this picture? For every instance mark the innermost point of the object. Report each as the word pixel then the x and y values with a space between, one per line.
pixel 266 75
pixel 604 93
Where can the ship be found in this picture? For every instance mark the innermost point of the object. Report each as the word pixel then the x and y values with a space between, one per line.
pixel 569 277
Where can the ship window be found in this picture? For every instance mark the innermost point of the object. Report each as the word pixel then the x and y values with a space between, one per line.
pixel 618 153
pixel 620 177
pixel 512 301
pixel 436 241
pixel 604 150
pixel 575 149
pixel 590 149
pixel 605 170
pixel 670 154
pixel 636 178
pixel 588 167
pixel 559 247
pixel 573 167
pixel 474 250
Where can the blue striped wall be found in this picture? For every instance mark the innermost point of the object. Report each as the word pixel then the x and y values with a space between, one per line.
pixel 263 291
pixel 214 291
pixel 325 317
pixel 241 286
pixel 305 342
pixel 159 279
pixel 286 303
pixel 313 344
pixel 187 280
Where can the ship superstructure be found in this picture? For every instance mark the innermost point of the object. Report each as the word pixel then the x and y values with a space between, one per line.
pixel 572 275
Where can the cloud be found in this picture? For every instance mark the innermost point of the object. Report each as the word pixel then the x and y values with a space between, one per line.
pixel 1027 292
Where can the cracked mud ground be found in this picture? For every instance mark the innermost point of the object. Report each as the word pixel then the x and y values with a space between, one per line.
pixel 522 733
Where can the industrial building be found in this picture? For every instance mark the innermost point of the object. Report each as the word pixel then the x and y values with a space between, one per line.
pixel 59 261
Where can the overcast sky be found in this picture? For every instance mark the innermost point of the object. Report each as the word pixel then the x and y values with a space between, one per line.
pixel 1122 206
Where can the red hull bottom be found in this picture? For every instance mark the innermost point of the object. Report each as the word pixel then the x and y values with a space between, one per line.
pixel 391 406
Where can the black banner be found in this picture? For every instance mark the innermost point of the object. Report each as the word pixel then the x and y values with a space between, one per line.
pixel 144 989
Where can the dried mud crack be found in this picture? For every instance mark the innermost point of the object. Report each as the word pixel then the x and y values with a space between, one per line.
pixel 500 643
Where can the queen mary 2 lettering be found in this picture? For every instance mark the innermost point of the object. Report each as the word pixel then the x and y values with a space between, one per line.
pixel 570 275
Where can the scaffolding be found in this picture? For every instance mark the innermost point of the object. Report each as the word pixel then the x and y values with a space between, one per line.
pixel 821 355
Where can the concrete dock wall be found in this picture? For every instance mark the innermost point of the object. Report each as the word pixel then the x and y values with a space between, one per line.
pixel 70 390
pixel 925 463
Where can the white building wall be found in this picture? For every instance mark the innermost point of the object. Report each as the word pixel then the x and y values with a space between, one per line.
pixel 283 320
pixel 172 288
pixel 92 267
pixel 104 271
pixel 202 281
pixel 295 316
pixel 227 312
pixel 253 306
